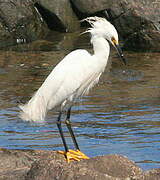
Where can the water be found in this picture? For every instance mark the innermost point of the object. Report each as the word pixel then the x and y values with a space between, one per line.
pixel 120 115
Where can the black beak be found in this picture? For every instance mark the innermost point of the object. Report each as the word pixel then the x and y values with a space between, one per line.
pixel 120 53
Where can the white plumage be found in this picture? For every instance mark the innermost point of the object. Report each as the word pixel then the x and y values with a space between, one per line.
pixel 74 75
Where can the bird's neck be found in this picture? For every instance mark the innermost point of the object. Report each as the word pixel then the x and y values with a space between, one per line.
pixel 100 46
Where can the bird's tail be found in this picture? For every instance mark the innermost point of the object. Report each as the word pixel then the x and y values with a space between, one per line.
pixel 35 109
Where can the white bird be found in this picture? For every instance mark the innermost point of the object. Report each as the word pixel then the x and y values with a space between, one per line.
pixel 73 77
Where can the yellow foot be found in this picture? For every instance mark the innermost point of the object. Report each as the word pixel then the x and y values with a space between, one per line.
pixel 73 155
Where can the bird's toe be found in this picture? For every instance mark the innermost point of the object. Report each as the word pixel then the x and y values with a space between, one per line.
pixel 73 155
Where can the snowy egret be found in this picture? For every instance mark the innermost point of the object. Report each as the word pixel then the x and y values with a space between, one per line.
pixel 73 77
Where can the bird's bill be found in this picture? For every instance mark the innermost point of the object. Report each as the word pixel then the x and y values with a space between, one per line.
pixel 116 45
pixel 120 53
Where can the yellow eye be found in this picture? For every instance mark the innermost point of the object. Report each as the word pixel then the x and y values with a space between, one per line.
pixel 114 41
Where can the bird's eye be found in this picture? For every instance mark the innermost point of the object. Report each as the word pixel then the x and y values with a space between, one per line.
pixel 114 41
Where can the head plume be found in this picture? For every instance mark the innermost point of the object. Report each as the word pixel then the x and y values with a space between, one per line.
pixel 101 27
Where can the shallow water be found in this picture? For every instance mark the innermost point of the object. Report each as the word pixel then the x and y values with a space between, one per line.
pixel 120 115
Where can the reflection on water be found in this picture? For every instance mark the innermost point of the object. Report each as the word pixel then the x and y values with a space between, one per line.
pixel 120 115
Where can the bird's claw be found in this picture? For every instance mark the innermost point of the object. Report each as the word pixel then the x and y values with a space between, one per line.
pixel 73 155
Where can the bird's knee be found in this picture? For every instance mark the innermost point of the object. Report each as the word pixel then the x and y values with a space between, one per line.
pixel 67 122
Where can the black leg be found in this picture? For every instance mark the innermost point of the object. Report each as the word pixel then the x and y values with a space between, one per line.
pixel 61 132
pixel 68 124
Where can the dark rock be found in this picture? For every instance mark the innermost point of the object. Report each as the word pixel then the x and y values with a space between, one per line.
pixel 92 6
pixel 19 22
pixel 136 21
pixel 58 14
pixel 143 40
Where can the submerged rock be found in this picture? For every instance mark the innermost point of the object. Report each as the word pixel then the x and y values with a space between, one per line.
pixel 49 165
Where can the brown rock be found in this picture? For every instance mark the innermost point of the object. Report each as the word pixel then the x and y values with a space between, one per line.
pixel 153 174
pixel 109 167
pixel 49 165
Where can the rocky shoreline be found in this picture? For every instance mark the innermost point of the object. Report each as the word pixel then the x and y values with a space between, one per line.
pixel 49 165
pixel 136 21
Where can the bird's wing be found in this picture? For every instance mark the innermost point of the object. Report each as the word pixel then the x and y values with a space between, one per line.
pixel 70 78
pixel 70 74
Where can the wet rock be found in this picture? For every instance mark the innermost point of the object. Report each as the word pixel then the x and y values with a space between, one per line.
pixel 19 22
pixel 58 14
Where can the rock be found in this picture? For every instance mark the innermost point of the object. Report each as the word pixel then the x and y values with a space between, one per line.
pixel 14 164
pixel 136 21
pixel 153 174
pixel 19 22
pixel 58 14
pixel 109 167
pixel 92 6
pixel 49 165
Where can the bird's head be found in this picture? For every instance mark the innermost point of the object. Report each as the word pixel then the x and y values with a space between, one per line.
pixel 100 27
